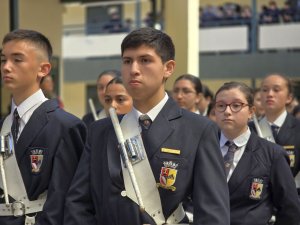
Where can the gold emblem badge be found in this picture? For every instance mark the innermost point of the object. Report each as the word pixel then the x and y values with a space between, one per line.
pixel 171 151
pixel 290 151
pixel 256 188
pixel 168 175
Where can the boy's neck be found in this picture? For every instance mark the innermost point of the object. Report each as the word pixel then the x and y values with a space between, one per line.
pixel 272 116
pixel 145 105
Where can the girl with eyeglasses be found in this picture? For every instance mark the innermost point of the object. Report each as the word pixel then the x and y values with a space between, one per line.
pixel 258 174
pixel 187 92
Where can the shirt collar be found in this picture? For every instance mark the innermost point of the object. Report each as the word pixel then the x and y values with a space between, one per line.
pixel 239 141
pixel 280 119
pixel 155 110
pixel 28 103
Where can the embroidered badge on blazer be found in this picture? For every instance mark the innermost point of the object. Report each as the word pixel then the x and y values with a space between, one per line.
pixel 168 175
pixel 256 188
pixel 36 159
pixel 290 150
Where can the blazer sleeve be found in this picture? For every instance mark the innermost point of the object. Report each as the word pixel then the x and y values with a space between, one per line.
pixel 284 190
pixel 65 162
pixel 79 207
pixel 210 189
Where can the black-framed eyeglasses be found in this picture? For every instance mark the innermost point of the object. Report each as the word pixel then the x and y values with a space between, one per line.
pixel 234 106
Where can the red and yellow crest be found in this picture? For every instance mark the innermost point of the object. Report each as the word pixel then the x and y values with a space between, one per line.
pixel 256 189
pixel 36 159
pixel 168 175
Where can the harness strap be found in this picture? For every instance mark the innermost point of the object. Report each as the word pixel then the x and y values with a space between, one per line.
pixel 16 188
pixel 145 179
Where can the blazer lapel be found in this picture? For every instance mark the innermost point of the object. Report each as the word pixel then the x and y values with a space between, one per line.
pixel 161 128
pixel 32 128
pixel 244 167
pixel 114 161
pixel 283 136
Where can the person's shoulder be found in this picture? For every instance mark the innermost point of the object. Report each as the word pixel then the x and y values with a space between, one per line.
pixel 88 117
pixel 266 147
pixel 293 120
pixel 196 119
pixel 54 112
pixel 100 126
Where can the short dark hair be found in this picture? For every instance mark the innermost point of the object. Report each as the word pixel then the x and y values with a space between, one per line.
pixel 113 73
pixel 34 37
pixel 207 92
pixel 116 80
pixel 160 41
pixel 245 89
pixel 193 79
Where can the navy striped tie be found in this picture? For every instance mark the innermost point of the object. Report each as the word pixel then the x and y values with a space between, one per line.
pixel 228 158
pixel 274 129
pixel 15 125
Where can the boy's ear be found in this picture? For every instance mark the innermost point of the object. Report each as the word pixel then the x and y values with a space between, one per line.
pixel 169 68
pixel 45 68
pixel 290 98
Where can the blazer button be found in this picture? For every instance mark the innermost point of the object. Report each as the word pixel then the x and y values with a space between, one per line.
pixel 123 193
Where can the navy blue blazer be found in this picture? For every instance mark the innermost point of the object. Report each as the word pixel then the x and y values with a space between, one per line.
pixel 88 119
pixel 95 193
pixel 59 138
pixel 289 138
pixel 261 181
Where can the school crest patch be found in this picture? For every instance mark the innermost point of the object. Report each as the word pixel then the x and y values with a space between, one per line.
pixel 168 175
pixel 36 159
pixel 290 149
pixel 256 188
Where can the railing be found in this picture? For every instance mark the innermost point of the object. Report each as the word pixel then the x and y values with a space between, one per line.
pixel 212 40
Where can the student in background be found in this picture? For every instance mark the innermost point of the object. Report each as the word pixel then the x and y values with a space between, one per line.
pixel 186 92
pixel 211 114
pixel 278 125
pixel 47 86
pixel 205 99
pixel 117 96
pixel 296 112
pixel 102 81
pixel 259 109
pixel 258 173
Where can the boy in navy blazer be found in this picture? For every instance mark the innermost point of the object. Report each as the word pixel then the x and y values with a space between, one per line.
pixel 182 149
pixel 48 141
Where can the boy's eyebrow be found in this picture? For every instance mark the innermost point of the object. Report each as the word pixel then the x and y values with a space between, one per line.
pixel 140 56
pixel 13 54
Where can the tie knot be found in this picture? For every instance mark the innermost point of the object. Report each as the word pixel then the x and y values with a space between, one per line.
pixel 275 130
pixel 16 114
pixel 274 127
pixel 145 121
pixel 232 147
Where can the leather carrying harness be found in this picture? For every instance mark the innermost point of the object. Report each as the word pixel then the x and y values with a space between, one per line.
pixel 145 179
pixel 22 205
